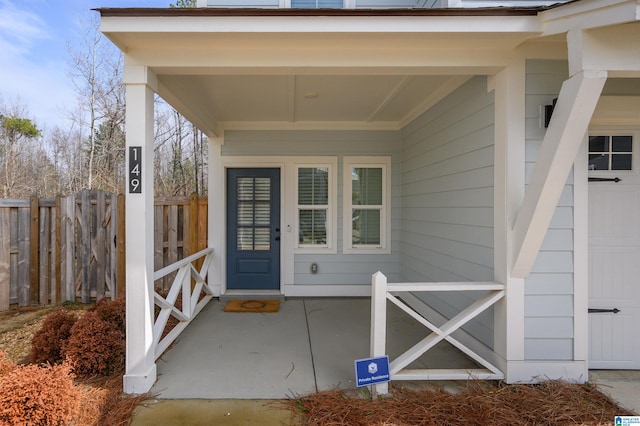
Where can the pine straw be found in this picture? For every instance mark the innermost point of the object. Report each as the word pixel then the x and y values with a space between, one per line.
pixel 104 403
pixel 480 403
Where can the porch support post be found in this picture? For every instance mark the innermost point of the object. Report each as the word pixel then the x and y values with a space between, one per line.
pixel 216 211
pixel 509 187
pixel 140 372
pixel 576 103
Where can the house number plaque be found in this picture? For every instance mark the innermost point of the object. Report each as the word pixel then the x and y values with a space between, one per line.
pixel 135 170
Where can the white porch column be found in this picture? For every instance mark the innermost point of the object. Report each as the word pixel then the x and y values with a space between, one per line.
pixel 140 372
pixel 216 211
pixel 509 187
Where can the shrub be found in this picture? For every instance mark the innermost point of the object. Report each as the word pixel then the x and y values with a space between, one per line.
pixel 112 312
pixel 46 345
pixel 95 347
pixel 36 395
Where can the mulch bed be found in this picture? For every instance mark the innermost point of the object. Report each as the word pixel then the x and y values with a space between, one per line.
pixel 480 403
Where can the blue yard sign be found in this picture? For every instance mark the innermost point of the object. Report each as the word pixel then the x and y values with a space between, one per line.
pixel 370 371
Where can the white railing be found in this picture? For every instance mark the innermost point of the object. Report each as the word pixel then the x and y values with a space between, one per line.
pixel 191 302
pixel 383 291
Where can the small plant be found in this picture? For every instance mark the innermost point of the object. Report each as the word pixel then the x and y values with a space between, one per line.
pixel 46 345
pixel 36 395
pixel 95 347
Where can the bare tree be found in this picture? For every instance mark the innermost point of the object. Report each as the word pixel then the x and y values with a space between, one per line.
pixel 96 72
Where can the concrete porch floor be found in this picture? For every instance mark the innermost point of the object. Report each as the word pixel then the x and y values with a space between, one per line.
pixel 309 345
pixel 228 368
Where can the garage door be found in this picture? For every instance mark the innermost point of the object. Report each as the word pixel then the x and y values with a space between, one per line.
pixel 614 251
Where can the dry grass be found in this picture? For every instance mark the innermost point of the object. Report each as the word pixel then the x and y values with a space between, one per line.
pixel 102 401
pixel 480 403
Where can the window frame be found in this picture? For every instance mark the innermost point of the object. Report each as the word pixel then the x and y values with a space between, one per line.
pixel 383 162
pixel 330 247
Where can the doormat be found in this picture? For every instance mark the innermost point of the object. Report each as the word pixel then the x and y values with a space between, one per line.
pixel 260 306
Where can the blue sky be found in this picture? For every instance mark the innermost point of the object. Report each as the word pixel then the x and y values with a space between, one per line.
pixel 34 35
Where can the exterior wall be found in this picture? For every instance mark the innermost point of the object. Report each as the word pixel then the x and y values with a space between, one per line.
pixel 391 4
pixel 385 4
pixel 243 3
pixel 447 199
pixel 549 302
pixel 333 268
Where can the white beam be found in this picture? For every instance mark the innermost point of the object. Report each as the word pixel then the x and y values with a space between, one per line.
pixel 576 103
pixel 588 14
pixel 616 49
pixel 111 26
pixel 140 371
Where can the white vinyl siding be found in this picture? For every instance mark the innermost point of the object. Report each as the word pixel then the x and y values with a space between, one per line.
pixel 447 199
pixel 549 289
pixel 336 268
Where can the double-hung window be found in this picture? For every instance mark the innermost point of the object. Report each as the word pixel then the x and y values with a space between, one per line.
pixel 315 205
pixel 367 221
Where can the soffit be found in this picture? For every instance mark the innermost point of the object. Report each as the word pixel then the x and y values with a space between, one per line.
pixel 380 75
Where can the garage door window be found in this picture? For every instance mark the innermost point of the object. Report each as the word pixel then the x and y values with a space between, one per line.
pixel 610 152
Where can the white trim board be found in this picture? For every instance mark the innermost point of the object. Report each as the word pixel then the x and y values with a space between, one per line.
pixel 333 290
pixel 542 371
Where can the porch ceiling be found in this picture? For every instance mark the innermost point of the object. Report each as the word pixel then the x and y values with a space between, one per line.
pixel 365 71
pixel 377 100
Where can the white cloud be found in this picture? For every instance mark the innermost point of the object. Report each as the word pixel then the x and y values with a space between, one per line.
pixel 20 29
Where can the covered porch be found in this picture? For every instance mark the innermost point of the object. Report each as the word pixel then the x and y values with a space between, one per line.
pixel 444 108
pixel 309 345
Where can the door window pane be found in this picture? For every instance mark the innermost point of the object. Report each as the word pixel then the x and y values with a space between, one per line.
pixel 621 144
pixel 621 162
pixel 611 152
pixel 254 213
pixel 262 239
pixel 598 143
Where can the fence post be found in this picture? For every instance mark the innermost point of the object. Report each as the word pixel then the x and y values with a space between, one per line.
pixel 5 259
pixel 34 238
pixel 57 249
pixel 44 266
pixel 193 228
pixel 85 256
pixel 97 244
pixel 378 324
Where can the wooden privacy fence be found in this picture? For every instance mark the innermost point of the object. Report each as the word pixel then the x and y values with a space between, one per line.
pixel 73 248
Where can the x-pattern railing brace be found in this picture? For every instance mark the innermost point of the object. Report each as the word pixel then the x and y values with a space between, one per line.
pixel 191 305
pixel 382 292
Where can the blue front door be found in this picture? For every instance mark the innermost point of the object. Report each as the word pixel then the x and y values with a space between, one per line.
pixel 253 229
